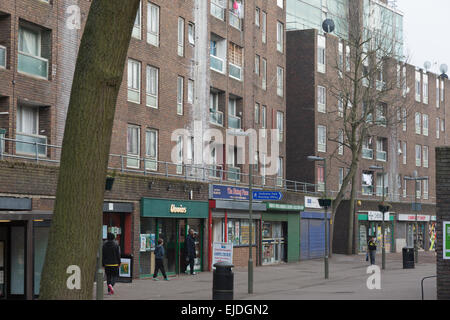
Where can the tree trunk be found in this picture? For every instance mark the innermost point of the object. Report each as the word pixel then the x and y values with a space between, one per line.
pixel 75 230
pixel 351 217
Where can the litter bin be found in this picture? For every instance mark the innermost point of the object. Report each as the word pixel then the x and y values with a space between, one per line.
pixel 408 258
pixel 223 281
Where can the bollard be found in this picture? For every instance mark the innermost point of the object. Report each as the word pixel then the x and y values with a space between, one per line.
pixel 223 281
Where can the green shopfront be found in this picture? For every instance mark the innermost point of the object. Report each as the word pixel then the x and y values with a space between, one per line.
pixel 370 225
pixel 281 233
pixel 171 220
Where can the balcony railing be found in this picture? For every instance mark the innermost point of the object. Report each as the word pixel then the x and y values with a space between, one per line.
pixel 216 117
pixel 33 65
pixel 235 21
pixel 216 64
pixel 31 144
pixel 2 57
pixel 235 71
pixel 381 155
pixel 215 171
pixel 234 122
pixel 234 173
pixel 380 191
pixel 367 190
pixel 217 11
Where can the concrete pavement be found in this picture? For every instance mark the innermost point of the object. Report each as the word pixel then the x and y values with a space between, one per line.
pixel 298 281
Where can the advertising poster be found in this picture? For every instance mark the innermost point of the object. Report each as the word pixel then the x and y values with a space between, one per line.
pixel 125 268
pixel 143 243
pixel 222 252
pixel 446 245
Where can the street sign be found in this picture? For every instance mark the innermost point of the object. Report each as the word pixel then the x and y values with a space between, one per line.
pixel 267 195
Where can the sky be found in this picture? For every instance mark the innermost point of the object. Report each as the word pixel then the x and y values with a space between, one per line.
pixel 425 26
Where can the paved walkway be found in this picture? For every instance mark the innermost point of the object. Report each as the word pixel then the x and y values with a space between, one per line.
pixel 298 281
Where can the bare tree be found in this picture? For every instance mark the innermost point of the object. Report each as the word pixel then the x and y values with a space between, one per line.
pixel 75 231
pixel 370 90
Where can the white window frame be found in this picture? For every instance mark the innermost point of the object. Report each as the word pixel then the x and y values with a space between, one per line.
pixel 137 27
pixel 264 74
pixel 321 138
pixel 425 88
pixel 134 156
pixel 180 36
pixel 425 125
pixel 257 15
pixel 418 155
pixel 280 125
pixel 438 128
pixel 180 95
pixel 191 94
pixel 418 122
pixel 425 154
pixel 321 99
pixel 153 24
pixel 151 70
pixel 348 63
pixel 321 53
pixel 280 36
pixel 264 27
pixel 280 81
pixel 418 86
pixel 257 60
pixel 341 142
pixel 404 119
pixel 437 93
pixel 191 33
pixel 405 150
pixel 135 85
pixel 179 167
pixel 151 160
pixel 425 189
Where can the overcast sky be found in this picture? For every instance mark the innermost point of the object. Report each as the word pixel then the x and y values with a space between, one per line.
pixel 424 27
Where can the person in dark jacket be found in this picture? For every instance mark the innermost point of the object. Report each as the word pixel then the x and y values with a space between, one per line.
pixel 372 248
pixel 159 256
pixel 190 250
pixel 111 261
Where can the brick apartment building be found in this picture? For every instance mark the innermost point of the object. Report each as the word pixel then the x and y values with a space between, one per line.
pixel 401 149
pixel 192 65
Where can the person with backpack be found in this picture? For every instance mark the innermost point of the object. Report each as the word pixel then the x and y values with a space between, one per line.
pixel 111 261
pixel 372 250
pixel 159 256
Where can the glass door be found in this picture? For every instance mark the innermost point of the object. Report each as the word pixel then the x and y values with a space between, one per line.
pixel 2 269
pixel 167 230
pixel 197 225
pixel 17 261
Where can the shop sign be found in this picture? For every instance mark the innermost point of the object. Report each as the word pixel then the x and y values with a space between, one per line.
pixel 220 192
pixel 312 202
pixel 446 245
pixel 377 216
pixel 222 252
pixel 175 209
pixel 412 217
pixel 267 195
pixel 285 207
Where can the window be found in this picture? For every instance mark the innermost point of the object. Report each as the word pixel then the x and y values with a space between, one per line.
pixel 151 149
pixel 133 146
pixel 134 81
pixel 153 24
pixel 280 80
pixel 425 189
pixel 382 149
pixel 405 184
pixel 425 124
pixel 321 53
pixel 418 123
pixel 437 93
pixel 280 36
pixel 425 88
pixel 367 148
pixel 442 90
pixel 380 181
pixel 180 36
pixel 31 59
pixel 218 9
pixel 381 115
pixel 138 23
pixel 256 113
pixel 190 91
pixel 280 125
pixel 404 84
pixel 235 56
pixel 264 117
pixel 257 16
pixel 404 119
pixel 341 58
pixel 264 27
pixel 367 183
pixel 340 107
pixel 233 120
pixel 280 172
pixel 425 156
pixel 438 128
pixel 216 116
pixel 180 87
pixel 442 125
pixel 152 87
pixel 419 189
pixel 404 152
pixel 321 99
pixel 418 86
pixel 341 178
pixel 341 142
pixel 321 138
pixel 28 120
pixel 191 33
pixel 348 64
pixel 239 232
pixel 218 53
pixel 257 64
pixel 179 169
pixel 320 179
pixel 399 75
pixel 264 74
pixel 418 155
pixel 280 3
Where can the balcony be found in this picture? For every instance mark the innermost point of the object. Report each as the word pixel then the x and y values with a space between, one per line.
pixel 367 190
pixel 235 21
pixel 235 71
pixel 234 173
pixel 2 57
pixel 234 122
pixel 133 161
pixel 380 191
pixel 31 144
pixel 32 65
pixel 367 153
pixel 381 121
pixel 214 171
pixel 216 117
pixel 381 155
pixel 151 164
pixel 216 64
pixel 320 186
pixel 217 11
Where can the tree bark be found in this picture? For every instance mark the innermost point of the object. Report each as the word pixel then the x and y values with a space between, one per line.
pixel 77 219
pixel 351 217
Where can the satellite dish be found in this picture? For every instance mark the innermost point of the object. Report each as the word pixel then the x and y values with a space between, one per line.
pixel 328 25
pixel 427 65
pixel 443 68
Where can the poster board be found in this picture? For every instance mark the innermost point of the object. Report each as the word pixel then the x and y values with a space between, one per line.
pixel 126 265
pixel 222 252
pixel 446 244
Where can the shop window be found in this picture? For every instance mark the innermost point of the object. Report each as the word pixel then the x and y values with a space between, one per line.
pixel 239 232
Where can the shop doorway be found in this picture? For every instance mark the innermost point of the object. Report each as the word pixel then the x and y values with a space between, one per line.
pixel 274 242
pixel 184 226
pixel 373 229
pixel 411 235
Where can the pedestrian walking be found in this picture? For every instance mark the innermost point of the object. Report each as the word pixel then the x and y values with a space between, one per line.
pixel 190 250
pixel 111 261
pixel 159 256
pixel 372 249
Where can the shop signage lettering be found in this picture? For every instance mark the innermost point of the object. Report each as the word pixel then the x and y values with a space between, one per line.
pixel 175 209
pixel 285 207
pixel 222 252
pixel 446 245
pixel 219 192
pixel 412 217
pixel 377 216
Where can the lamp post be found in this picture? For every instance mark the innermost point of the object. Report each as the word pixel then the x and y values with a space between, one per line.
pixel 250 207
pixel 382 209
pixel 415 178
pixel 325 205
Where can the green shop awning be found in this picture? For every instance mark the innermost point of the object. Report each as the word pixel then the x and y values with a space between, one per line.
pixel 167 208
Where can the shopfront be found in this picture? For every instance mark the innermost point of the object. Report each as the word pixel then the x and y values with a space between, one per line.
pixel 281 233
pixel 230 222
pixel 370 225
pixel 425 232
pixel 117 219
pixel 171 220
